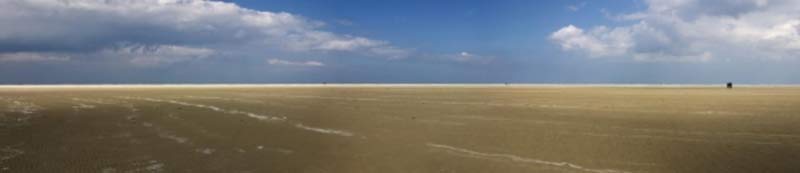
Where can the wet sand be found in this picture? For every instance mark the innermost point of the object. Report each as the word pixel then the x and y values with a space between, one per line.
pixel 399 129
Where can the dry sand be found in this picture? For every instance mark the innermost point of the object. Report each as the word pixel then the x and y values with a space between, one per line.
pixel 399 129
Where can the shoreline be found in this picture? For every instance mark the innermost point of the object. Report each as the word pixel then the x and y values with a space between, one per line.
pixel 410 85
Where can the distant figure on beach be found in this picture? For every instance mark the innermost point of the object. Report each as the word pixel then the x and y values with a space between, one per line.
pixel 730 85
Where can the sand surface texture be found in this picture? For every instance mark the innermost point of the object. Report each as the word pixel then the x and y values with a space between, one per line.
pixel 347 129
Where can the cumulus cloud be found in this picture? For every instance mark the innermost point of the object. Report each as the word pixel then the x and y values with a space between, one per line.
pixel 295 63
pixel 600 42
pixel 166 31
pixel 693 31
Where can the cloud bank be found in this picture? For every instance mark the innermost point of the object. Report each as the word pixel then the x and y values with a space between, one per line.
pixel 275 61
pixel 153 32
pixel 31 57
pixel 693 31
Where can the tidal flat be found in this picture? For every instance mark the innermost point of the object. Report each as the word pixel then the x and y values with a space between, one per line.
pixel 402 128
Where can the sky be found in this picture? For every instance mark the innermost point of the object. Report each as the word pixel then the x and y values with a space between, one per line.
pixel 399 41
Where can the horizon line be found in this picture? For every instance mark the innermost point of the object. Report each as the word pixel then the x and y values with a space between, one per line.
pixel 201 85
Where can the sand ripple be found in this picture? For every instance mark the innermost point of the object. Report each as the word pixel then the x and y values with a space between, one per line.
pixel 251 115
pixel 514 158
pixel 23 107
pixel 214 108
pixel 9 152
pixel 325 131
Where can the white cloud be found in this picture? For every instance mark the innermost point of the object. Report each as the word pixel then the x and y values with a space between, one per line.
pixel 576 7
pixel 31 57
pixel 94 26
pixel 150 55
pixel 295 63
pixel 693 31
pixel 597 44
pixel 466 57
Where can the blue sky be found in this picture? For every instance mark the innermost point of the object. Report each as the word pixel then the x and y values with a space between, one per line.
pixel 360 41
